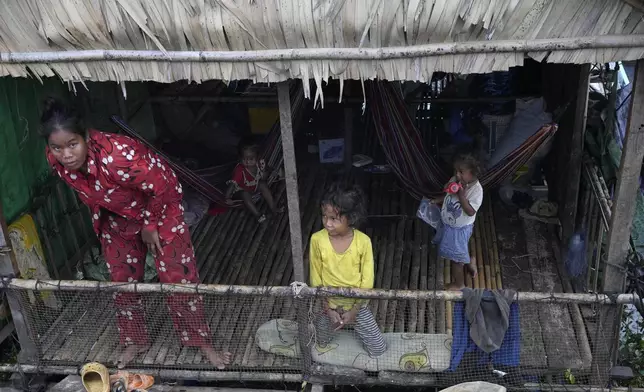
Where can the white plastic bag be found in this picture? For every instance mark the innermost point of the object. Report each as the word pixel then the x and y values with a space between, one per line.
pixel 429 212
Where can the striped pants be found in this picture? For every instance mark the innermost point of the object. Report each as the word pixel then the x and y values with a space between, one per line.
pixel 366 328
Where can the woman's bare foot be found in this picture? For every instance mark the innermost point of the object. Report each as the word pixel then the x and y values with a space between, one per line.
pixel 129 354
pixel 472 267
pixel 217 358
pixel 454 287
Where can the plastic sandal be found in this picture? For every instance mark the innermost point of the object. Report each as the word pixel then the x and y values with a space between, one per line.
pixel 95 377
pixel 140 382
pixel 119 382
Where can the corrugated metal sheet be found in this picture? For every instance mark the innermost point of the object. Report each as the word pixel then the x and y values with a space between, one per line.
pixel 46 25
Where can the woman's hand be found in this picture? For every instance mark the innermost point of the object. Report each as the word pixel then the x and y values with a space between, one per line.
pixel 151 240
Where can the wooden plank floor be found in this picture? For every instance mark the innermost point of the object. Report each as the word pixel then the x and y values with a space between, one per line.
pixel 233 249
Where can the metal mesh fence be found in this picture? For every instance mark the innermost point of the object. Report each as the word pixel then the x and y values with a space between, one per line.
pixel 403 337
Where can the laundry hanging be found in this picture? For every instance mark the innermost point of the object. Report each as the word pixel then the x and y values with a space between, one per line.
pixel 409 160
pixel 209 181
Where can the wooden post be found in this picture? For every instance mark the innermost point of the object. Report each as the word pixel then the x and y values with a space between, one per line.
pixel 9 269
pixel 627 188
pixel 295 224
pixel 290 172
pixel 569 213
pixel 619 232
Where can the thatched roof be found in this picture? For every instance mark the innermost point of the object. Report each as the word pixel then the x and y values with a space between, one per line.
pixel 224 25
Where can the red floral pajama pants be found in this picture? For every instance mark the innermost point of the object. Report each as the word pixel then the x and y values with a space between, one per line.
pixel 125 255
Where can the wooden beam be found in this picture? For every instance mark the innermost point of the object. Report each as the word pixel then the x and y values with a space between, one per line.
pixel 294 220
pixel 621 222
pixel 290 172
pixel 573 168
pixel 6 331
pixel 637 4
pixel 627 187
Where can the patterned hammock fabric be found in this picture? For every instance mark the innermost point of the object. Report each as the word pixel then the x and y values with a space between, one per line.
pixel 415 168
pixel 210 181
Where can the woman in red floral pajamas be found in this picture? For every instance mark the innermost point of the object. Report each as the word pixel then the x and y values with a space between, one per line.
pixel 135 201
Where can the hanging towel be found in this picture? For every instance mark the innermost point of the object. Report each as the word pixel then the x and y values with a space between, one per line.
pixel 489 318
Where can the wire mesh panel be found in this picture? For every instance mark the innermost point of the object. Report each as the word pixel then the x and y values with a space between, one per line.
pixel 338 335
pixel 168 330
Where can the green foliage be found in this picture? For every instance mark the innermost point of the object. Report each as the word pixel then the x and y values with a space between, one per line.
pixel 631 346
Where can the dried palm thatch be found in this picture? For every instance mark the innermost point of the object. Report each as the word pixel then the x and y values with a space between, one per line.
pixel 234 25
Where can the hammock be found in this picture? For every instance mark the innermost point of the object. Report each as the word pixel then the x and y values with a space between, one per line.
pixel 208 181
pixel 415 168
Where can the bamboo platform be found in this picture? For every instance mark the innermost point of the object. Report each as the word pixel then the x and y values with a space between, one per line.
pixel 233 249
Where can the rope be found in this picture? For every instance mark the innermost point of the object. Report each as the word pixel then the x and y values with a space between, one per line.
pixel 297 288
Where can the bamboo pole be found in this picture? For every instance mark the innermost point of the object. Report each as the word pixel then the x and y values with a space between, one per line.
pixel 479 255
pixel 441 305
pixel 473 245
pixel 495 250
pixel 600 194
pixel 306 292
pixel 448 304
pixel 203 375
pixel 486 255
pixel 385 53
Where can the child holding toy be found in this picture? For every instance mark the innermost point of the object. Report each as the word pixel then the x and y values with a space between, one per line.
pixel 463 198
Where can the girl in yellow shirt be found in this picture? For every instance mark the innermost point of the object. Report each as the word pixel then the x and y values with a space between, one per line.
pixel 341 256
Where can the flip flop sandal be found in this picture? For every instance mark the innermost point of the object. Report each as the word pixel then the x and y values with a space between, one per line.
pixel 119 382
pixel 140 382
pixel 95 377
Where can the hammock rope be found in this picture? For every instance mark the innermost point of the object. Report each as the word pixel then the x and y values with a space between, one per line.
pixel 416 169
pixel 208 181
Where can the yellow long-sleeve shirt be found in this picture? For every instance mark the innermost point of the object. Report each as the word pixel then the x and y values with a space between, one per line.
pixel 353 268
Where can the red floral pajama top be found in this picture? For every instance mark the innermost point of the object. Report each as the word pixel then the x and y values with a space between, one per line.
pixel 127 179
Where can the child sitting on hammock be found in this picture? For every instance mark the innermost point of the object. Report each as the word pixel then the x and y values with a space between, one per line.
pixel 342 256
pixel 458 214
pixel 249 178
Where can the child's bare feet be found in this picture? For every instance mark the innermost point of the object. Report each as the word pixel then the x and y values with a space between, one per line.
pixel 129 354
pixel 217 358
pixel 472 267
pixel 454 287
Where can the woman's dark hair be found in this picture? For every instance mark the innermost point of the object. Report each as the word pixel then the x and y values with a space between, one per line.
pixel 57 116
pixel 469 161
pixel 348 200
pixel 247 144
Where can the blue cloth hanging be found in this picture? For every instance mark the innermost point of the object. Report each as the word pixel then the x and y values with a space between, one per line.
pixel 508 355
